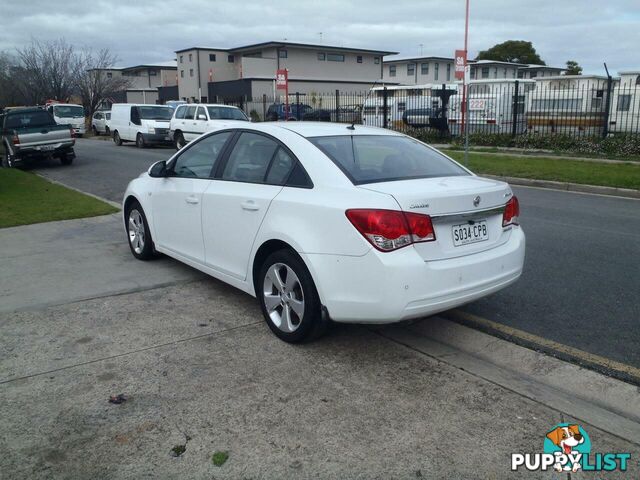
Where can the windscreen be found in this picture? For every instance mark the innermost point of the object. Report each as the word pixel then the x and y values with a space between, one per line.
pixel 68 111
pixel 29 119
pixel 155 113
pixel 226 113
pixel 384 158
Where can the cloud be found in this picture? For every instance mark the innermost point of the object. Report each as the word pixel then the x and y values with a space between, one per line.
pixel 149 31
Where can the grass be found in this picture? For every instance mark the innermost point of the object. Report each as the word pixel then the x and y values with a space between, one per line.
pixel 27 198
pixel 622 175
pixel 219 458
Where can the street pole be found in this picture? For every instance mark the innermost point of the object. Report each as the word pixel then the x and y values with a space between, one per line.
pixel 465 110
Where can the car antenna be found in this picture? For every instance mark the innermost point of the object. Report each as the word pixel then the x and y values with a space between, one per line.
pixel 353 123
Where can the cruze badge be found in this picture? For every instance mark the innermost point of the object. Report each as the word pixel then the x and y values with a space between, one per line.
pixel 476 201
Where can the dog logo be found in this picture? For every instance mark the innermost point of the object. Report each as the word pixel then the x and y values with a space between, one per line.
pixel 476 201
pixel 567 439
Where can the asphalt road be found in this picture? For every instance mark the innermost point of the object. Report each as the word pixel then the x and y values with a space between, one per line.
pixel 581 285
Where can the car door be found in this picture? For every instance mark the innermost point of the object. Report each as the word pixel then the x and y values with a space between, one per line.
pixel 177 198
pixel 237 200
pixel 200 122
pixel 188 124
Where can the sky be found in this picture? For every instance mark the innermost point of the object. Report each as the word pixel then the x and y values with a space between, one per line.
pixel 141 31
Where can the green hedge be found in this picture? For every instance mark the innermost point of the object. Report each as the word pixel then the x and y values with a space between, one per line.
pixel 617 146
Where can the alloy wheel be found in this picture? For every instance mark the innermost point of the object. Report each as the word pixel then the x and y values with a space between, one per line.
pixel 283 297
pixel 136 231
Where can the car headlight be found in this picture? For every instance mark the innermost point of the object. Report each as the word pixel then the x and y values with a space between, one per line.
pixel 151 130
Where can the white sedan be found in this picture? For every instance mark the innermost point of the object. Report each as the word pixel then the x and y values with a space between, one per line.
pixel 329 222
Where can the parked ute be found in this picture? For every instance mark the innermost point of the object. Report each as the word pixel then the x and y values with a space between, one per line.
pixel 191 121
pixel 69 114
pixel 100 122
pixel 144 124
pixel 323 221
pixel 33 134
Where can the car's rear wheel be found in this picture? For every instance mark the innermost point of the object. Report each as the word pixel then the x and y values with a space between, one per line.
pixel 140 141
pixel 7 162
pixel 106 130
pixel 116 138
pixel 140 241
pixel 289 299
pixel 95 131
pixel 179 141
pixel 66 159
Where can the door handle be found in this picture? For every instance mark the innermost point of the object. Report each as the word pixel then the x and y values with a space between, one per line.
pixel 250 205
pixel 192 199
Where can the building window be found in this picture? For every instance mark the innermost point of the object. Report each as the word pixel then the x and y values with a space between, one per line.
pixel 335 57
pixel 109 75
pixel 231 59
pixel 638 80
pixel 513 73
pixel 212 57
pixel 436 70
pixel 521 74
pixel 392 70
pixel 321 57
pixel 533 74
pixel 411 69
pixel 424 68
pixel 495 73
pixel 448 72
pixel 624 102
pixel 181 73
pixel 190 57
pixel 472 73
pixel 359 59
pixel 191 72
pixel 282 54
pixel 153 73
pixel 376 60
pixel 485 72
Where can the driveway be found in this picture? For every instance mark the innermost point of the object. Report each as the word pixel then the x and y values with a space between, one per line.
pixel 201 371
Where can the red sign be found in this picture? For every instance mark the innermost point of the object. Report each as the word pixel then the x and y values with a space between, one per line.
pixel 461 62
pixel 282 79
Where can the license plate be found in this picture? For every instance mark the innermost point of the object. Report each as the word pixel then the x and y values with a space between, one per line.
pixel 467 233
pixel 47 147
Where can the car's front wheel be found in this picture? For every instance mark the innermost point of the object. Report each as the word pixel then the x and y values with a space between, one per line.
pixel 140 141
pixel 179 141
pixel 289 299
pixel 138 233
pixel 116 138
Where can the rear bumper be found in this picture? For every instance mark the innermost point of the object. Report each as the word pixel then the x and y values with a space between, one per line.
pixel 389 287
pixel 27 153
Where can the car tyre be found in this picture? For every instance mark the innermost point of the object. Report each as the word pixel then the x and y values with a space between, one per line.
pixel 95 131
pixel 179 141
pixel 116 138
pixel 140 141
pixel 289 299
pixel 66 159
pixel 138 233
pixel 106 130
pixel 7 162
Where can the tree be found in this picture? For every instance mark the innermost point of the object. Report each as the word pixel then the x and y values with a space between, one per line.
pixel 573 68
pixel 94 84
pixel 9 95
pixel 515 51
pixel 48 70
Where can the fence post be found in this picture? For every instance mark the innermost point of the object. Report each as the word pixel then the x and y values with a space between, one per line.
pixel 337 105
pixel 514 108
pixel 385 109
pixel 264 107
pixel 607 107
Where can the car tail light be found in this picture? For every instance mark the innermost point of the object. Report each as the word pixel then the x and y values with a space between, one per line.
pixel 389 230
pixel 73 135
pixel 511 212
pixel 15 140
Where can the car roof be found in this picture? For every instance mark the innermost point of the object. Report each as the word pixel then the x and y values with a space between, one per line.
pixel 326 129
pixel 23 110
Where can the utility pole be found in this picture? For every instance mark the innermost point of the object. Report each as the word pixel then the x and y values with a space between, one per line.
pixel 465 111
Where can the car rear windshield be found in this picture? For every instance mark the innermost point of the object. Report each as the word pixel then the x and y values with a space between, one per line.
pixel 68 111
pixel 385 158
pixel 155 113
pixel 226 113
pixel 29 119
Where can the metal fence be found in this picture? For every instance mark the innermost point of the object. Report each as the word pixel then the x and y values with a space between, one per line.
pixel 573 106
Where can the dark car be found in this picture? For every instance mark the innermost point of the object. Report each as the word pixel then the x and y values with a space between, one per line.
pixel 296 111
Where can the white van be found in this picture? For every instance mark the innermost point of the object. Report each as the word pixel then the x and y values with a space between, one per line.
pixel 69 114
pixel 191 121
pixel 140 123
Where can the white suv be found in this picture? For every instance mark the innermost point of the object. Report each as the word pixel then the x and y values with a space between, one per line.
pixel 191 121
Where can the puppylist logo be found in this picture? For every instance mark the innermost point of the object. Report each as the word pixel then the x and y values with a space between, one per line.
pixel 567 447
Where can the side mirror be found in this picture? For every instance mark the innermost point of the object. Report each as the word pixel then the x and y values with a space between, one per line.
pixel 202 117
pixel 158 169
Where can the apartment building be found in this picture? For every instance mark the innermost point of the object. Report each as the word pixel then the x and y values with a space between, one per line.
pixel 207 74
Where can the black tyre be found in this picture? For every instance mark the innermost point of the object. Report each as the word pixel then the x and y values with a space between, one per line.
pixel 106 130
pixel 66 159
pixel 116 138
pixel 140 141
pixel 179 141
pixel 289 299
pixel 95 131
pixel 138 233
pixel 7 162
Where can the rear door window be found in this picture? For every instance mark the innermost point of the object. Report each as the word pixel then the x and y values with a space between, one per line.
pixel 250 158
pixel 190 113
pixel 384 158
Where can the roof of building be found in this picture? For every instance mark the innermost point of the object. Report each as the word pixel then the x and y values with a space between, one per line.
pixel 172 64
pixel 219 49
pixel 532 66
pixel 314 46
pixel 404 58
pixel 498 62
